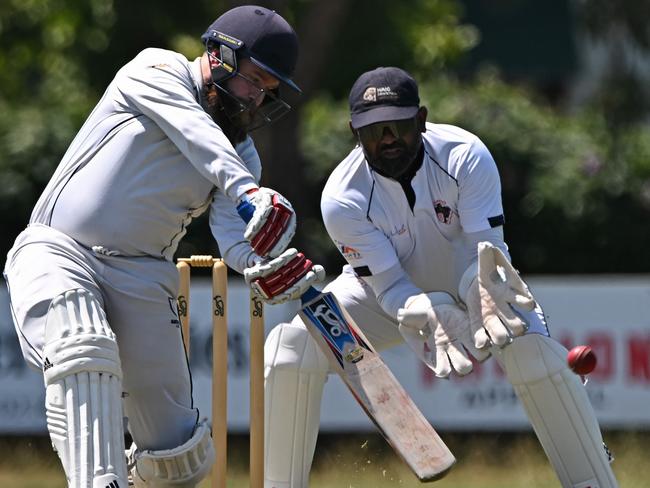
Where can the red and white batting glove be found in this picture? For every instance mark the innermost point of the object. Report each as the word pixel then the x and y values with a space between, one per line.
pixel 283 278
pixel 273 222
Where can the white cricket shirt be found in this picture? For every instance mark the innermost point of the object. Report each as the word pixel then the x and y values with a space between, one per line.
pixel 457 192
pixel 147 160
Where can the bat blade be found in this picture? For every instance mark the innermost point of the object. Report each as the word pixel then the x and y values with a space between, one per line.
pixel 375 388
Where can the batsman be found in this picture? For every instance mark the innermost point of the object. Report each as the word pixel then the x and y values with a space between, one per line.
pixel 91 280
pixel 415 209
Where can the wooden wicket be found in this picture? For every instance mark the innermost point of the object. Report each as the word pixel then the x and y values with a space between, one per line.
pixel 220 365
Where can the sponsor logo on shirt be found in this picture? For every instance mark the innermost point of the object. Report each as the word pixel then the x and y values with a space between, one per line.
pixel 443 212
pixel 350 253
pixel 398 231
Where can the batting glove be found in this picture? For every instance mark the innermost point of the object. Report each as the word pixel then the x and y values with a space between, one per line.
pixel 271 221
pixel 284 278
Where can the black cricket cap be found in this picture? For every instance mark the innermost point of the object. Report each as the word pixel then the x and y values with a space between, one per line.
pixel 266 39
pixel 381 95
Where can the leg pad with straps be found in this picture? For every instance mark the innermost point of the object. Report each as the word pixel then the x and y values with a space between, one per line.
pixel 83 392
pixel 559 410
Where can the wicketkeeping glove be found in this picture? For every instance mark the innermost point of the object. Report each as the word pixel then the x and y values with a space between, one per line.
pixel 437 335
pixel 491 297
pixel 283 278
pixel 271 221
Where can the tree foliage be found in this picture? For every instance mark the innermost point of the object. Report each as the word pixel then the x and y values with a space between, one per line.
pixel 44 94
pixel 576 186
pixel 572 204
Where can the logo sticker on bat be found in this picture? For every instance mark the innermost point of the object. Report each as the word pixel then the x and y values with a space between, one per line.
pixel 330 322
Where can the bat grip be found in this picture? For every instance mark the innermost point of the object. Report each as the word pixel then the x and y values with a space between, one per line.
pixel 309 295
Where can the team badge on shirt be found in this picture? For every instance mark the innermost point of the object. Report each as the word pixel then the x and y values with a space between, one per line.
pixel 443 212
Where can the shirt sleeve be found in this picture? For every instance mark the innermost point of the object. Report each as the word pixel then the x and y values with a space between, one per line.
pixel 479 201
pixel 225 223
pixel 362 244
pixel 392 288
pixel 228 230
pixel 162 89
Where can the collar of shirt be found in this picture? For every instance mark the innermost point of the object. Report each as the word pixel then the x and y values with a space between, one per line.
pixel 197 75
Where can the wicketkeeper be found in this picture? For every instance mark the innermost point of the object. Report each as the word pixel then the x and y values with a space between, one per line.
pixel 93 270
pixel 415 209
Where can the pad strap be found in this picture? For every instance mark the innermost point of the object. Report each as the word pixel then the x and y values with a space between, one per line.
pixel 182 467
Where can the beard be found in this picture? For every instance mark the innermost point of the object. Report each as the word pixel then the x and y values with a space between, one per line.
pixel 395 165
pixel 219 108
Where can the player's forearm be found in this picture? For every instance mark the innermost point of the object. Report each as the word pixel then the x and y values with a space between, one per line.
pixel 392 288
pixel 239 256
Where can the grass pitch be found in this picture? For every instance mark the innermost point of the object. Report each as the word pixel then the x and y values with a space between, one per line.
pixel 496 460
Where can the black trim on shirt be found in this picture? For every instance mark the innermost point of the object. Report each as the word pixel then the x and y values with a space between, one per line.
pixel 406 179
pixel 372 191
pixel 80 166
pixel 362 271
pixel 441 168
pixel 497 220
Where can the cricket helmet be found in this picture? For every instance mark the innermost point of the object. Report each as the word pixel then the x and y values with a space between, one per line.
pixel 259 34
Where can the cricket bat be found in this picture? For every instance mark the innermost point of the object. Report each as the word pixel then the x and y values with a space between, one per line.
pixel 371 382
pixel 374 386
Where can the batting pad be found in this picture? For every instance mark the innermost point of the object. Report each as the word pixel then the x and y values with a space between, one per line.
pixel 295 374
pixel 559 410
pixel 83 381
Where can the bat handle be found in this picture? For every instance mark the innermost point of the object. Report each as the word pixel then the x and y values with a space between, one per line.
pixel 309 295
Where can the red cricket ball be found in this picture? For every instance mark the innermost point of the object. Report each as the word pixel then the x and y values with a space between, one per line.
pixel 581 360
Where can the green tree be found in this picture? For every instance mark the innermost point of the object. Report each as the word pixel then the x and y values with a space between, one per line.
pixel 568 208
pixel 45 93
pixel 576 186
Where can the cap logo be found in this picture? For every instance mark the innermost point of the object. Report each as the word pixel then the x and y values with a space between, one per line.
pixel 374 94
pixel 385 92
pixel 370 95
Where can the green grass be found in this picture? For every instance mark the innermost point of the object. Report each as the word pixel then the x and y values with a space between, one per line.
pixel 365 461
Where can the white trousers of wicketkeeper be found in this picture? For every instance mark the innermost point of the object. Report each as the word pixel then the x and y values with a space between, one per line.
pixel 72 307
pixel 553 397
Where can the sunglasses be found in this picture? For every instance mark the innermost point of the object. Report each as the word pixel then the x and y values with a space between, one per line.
pixel 374 132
